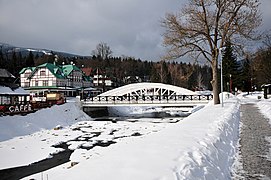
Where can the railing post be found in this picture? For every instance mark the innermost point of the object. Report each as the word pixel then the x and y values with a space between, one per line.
pixel 114 99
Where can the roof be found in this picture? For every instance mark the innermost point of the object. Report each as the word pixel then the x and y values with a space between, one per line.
pixel 87 78
pixel 87 70
pixel 59 72
pixel 27 68
pixel 5 74
pixel 55 70
pixel 18 91
pixel 67 69
pixel 266 85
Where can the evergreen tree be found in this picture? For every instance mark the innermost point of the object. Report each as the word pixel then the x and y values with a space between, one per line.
pixel 246 76
pixel 30 60
pixel 154 75
pixel 231 70
pixel 2 63
pixel 14 64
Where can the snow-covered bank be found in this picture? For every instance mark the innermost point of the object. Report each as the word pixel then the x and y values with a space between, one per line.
pixel 215 144
pixel 265 108
pixel 201 146
pixel 63 115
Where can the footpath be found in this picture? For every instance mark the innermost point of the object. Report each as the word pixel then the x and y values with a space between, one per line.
pixel 254 146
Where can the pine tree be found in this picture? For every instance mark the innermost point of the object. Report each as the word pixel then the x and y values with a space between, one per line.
pixel 14 64
pixel 2 63
pixel 231 70
pixel 30 60
pixel 246 76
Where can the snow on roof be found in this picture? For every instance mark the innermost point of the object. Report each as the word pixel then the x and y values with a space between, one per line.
pixel 4 73
pixel 7 90
pixel 266 85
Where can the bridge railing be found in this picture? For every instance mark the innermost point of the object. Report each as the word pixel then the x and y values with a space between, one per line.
pixel 147 99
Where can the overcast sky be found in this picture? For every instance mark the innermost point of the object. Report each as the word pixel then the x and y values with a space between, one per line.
pixel 129 27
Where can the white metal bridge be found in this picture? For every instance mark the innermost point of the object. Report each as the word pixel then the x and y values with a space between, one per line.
pixel 147 94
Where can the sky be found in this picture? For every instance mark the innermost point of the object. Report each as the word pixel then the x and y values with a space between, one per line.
pixel 129 27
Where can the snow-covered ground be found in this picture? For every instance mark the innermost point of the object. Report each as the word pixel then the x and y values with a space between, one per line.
pixel 201 146
pixel 17 125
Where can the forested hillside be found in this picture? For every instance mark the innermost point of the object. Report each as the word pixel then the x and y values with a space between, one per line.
pixel 248 74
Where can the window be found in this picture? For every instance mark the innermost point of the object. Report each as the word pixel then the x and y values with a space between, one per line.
pixel 4 100
pixel 45 83
pixel 36 83
pixel 26 84
pixel 42 73
pixel 27 74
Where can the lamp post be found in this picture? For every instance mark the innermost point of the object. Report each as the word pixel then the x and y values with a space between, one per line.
pixel 230 84
pixel 82 79
pixel 220 55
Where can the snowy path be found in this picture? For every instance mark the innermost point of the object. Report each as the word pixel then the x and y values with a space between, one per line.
pixel 253 143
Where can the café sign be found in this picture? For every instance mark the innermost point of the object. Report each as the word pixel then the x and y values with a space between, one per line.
pixel 20 108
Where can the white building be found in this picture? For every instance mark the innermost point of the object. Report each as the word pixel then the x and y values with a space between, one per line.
pixel 49 77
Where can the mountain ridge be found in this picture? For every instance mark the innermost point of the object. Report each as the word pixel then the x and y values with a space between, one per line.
pixel 7 49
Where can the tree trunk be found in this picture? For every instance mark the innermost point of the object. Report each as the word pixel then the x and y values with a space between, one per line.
pixel 214 81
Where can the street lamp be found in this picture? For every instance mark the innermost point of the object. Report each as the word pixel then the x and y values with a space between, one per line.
pixel 82 79
pixel 220 55
pixel 230 84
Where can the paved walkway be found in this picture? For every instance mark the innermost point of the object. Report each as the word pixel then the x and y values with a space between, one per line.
pixel 253 144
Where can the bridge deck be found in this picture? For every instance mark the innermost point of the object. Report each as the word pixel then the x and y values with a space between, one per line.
pixel 173 100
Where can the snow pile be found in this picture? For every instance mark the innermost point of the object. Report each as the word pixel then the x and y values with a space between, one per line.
pixel 265 108
pixel 17 125
pixel 213 154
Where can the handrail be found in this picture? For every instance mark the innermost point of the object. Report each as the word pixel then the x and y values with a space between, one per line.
pixel 147 99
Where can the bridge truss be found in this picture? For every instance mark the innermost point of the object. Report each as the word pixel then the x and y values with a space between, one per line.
pixel 147 94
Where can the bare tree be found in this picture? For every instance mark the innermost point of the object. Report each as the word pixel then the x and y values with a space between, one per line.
pixel 202 27
pixel 102 50
pixel 267 40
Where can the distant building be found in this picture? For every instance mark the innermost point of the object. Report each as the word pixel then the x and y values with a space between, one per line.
pixel 48 77
pixel 132 79
pixel 102 81
pixel 7 79
pixel 13 99
pixel 266 90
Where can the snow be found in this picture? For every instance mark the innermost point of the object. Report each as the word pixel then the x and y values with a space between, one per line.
pixel 7 90
pixel 17 125
pixel 201 146
pixel 265 108
pixel 156 111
